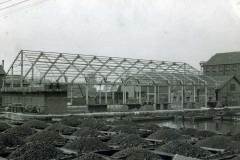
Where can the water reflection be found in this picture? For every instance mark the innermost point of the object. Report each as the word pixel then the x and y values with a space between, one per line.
pixel 219 126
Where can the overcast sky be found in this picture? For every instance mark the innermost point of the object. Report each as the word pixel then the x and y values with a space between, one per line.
pixel 174 30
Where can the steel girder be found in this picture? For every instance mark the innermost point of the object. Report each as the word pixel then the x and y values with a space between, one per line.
pixel 45 67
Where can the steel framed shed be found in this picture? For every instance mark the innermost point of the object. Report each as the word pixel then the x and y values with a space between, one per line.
pixel 107 75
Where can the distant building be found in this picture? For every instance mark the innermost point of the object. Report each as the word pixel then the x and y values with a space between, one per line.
pixel 225 69
pixel 2 75
pixel 222 64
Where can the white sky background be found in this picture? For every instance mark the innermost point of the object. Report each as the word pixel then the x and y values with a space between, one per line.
pixel 174 30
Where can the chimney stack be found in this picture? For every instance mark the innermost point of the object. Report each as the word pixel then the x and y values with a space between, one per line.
pixel 3 64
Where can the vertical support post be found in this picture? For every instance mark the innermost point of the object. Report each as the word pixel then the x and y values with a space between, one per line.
pixel 159 95
pixel 106 95
pixel 113 97
pixel 194 93
pixel 169 94
pixel 87 94
pixel 21 69
pixel 182 92
pixel 134 92
pixel 206 95
pixel 12 78
pixel 71 94
pixel 148 94
pixel 123 94
pixel 140 94
pixel 100 95
pixel 3 84
pixel 32 73
pixel 155 97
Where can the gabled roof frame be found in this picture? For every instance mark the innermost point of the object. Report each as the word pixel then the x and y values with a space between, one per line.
pixel 45 67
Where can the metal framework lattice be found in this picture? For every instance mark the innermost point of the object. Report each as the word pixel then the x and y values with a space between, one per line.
pixel 46 67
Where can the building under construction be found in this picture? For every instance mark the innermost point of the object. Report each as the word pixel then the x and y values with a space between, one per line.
pixel 50 82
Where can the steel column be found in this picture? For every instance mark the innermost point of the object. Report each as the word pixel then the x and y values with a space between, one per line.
pixel 113 97
pixel 155 97
pixel 71 94
pixel 87 95
pixel 206 96
pixel 106 96
pixel 21 69
pixel 100 95
pixel 123 94
pixel 194 93
pixel 169 94
pixel 148 94
pixel 182 92
pixel 140 94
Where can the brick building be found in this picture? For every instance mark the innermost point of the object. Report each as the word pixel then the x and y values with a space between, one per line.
pixel 222 64
pixel 225 69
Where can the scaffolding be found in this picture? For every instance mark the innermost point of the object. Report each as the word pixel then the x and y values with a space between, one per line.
pixel 109 75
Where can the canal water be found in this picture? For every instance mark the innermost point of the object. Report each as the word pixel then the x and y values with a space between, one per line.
pixel 213 125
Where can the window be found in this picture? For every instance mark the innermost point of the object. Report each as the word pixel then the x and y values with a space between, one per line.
pixel 232 87
pixel 234 68
pixel 227 68
pixel 221 68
